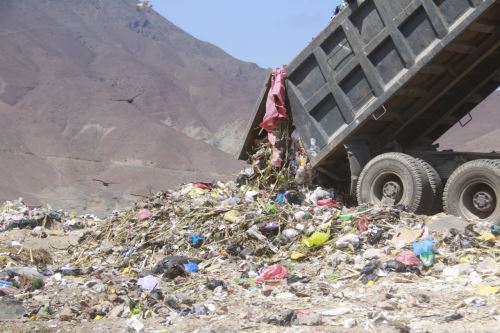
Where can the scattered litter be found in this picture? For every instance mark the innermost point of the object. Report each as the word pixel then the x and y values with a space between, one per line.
pixel 260 244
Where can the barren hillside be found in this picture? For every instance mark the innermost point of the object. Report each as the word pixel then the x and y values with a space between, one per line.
pixel 66 70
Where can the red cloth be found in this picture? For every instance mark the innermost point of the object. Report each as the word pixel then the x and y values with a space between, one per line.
pixel 276 101
pixel 275 112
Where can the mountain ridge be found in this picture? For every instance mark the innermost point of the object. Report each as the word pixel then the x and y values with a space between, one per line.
pixel 63 67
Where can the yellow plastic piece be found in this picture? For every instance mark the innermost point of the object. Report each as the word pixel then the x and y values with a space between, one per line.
pixel 129 272
pixel 199 191
pixel 297 255
pixel 487 237
pixel 466 259
pixel 194 193
pixel 487 290
pixel 316 239
pixel 302 161
pixel 231 216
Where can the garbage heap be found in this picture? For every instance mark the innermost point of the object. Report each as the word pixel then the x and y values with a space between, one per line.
pixel 202 221
pixel 17 215
pixel 20 263
pixel 270 242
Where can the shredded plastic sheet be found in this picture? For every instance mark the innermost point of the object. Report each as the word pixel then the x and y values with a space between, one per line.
pixel 275 112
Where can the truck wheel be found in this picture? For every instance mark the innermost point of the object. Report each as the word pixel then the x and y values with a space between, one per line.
pixel 473 191
pixel 436 185
pixel 395 178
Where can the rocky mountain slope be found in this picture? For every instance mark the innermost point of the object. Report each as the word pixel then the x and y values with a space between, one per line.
pixel 67 69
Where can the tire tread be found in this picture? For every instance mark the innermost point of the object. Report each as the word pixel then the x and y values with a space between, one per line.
pixel 435 183
pixel 479 163
pixel 420 203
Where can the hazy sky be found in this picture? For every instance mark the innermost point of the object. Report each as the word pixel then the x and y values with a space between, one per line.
pixel 268 32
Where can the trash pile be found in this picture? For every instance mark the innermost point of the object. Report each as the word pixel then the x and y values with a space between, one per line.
pixel 264 241
pixel 267 252
pixel 204 221
pixel 17 215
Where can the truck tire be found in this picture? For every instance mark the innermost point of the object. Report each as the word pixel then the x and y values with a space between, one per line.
pixel 436 185
pixel 395 177
pixel 473 191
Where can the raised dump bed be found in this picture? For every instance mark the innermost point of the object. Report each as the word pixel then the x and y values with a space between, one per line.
pixel 391 76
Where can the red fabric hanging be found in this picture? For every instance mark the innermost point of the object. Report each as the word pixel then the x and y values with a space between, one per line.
pixel 275 111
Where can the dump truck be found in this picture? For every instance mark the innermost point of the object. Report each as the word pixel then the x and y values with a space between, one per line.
pixel 371 94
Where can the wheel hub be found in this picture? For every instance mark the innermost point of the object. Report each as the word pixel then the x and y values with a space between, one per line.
pixel 483 201
pixel 391 189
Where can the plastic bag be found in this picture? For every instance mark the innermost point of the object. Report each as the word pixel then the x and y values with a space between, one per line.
pixel 347 240
pixel 327 202
pixel 273 272
pixel 191 267
pixel 280 199
pixel 302 216
pixel 409 258
pixel 423 250
pixel 148 282
pixel 423 247
pixel 171 266
pixel 361 223
pixel 144 214
pixel 316 239
pixel 196 240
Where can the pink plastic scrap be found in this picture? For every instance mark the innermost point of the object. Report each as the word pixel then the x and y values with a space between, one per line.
pixel 275 112
pixel 361 223
pixel 144 214
pixel 408 257
pixel 326 202
pixel 8 291
pixel 273 272
pixel 202 186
